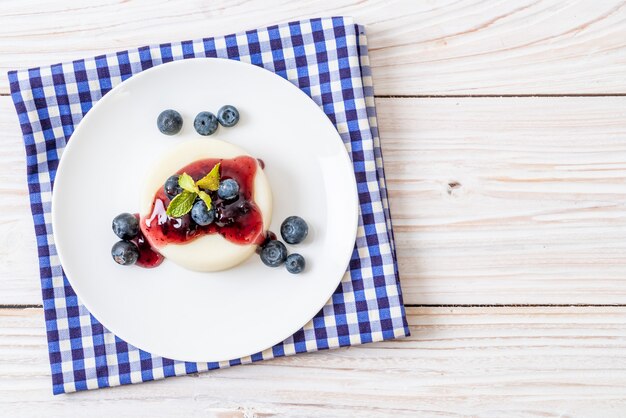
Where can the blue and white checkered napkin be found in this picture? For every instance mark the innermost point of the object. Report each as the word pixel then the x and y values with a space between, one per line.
pixel 326 58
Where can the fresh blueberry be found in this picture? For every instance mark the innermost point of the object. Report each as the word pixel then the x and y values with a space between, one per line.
pixel 269 236
pixel 228 189
pixel 171 186
pixel 228 116
pixel 205 123
pixel 295 263
pixel 201 214
pixel 125 226
pixel 274 254
pixel 125 253
pixel 294 230
pixel 170 122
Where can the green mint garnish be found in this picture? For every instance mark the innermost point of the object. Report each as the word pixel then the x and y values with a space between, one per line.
pixel 181 204
pixel 186 182
pixel 212 180
pixel 205 198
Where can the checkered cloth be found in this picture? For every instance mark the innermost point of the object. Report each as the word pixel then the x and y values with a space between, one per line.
pixel 326 58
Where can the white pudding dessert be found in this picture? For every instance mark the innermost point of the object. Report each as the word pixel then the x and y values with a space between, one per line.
pixel 240 223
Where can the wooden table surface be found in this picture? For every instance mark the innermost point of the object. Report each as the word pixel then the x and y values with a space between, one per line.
pixel 503 127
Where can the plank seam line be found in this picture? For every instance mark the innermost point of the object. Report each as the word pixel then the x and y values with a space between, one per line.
pixel 477 96
pixel 482 305
pixel 493 96
pixel 518 305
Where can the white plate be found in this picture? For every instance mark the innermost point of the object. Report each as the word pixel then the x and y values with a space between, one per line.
pixel 177 313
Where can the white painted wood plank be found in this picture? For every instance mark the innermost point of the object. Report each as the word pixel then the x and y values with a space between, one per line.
pixel 518 200
pixel 19 268
pixel 459 361
pixel 417 47
pixel 537 213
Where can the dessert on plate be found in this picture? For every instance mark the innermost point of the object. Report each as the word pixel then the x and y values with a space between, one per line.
pixel 206 238
pixel 206 206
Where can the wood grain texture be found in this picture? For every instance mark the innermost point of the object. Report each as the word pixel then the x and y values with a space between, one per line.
pixel 19 268
pixel 417 47
pixel 519 200
pixel 459 361
pixel 494 200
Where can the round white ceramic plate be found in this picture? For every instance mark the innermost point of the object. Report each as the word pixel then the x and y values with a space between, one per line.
pixel 168 310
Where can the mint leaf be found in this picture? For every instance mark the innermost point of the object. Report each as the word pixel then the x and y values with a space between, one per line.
pixel 186 182
pixel 181 204
pixel 205 198
pixel 211 181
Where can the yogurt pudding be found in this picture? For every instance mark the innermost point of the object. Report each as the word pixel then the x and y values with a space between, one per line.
pixel 240 224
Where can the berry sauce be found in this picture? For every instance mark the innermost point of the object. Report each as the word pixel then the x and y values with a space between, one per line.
pixel 238 220
pixel 148 256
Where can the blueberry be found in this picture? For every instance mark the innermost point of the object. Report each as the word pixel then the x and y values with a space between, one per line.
pixel 228 116
pixel 295 263
pixel 125 253
pixel 125 226
pixel 228 189
pixel 294 230
pixel 205 123
pixel 170 122
pixel 171 186
pixel 274 254
pixel 201 214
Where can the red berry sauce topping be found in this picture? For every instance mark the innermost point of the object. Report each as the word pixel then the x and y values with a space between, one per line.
pixel 238 220
pixel 148 256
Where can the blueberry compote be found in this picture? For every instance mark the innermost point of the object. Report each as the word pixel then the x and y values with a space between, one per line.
pixel 148 257
pixel 238 220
